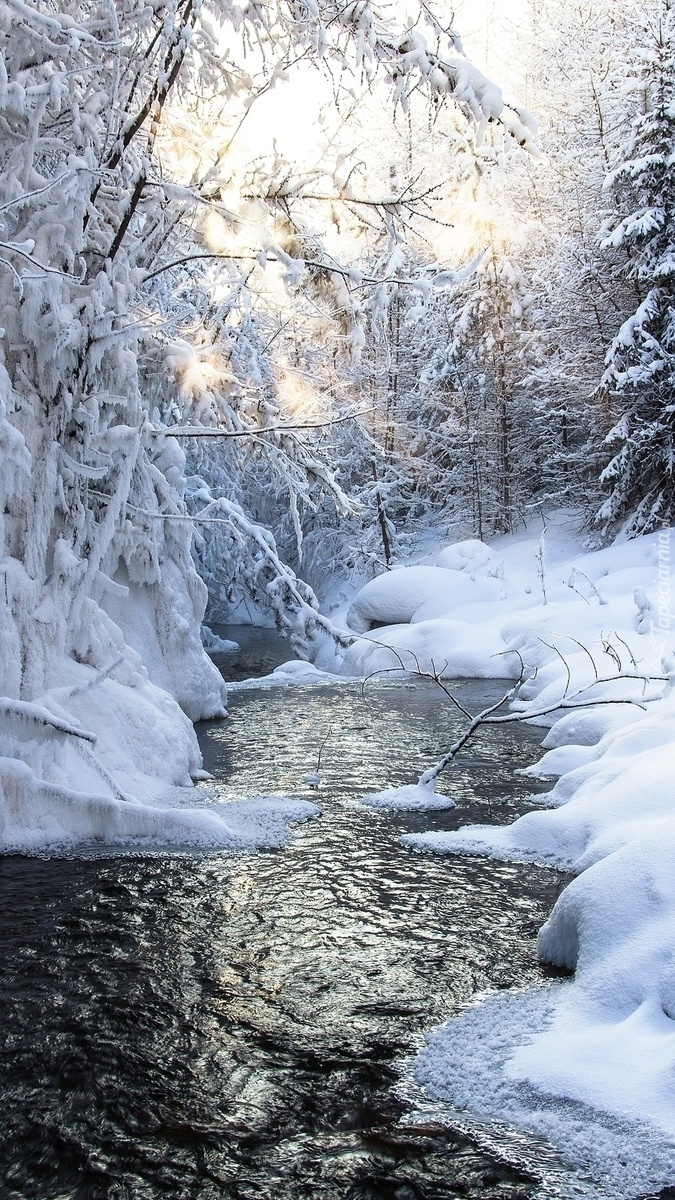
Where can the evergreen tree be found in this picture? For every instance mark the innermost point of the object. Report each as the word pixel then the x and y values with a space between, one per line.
pixel 641 363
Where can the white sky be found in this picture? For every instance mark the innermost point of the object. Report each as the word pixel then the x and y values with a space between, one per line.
pixel 489 31
pixel 490 36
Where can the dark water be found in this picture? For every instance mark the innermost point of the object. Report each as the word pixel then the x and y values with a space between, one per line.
pixel 212 1026
pixel 259 651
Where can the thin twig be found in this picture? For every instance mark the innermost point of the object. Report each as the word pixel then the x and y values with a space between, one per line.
pixel 198 431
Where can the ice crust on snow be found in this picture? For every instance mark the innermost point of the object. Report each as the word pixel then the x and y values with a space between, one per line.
pixel 607 1038
pixel 467 1065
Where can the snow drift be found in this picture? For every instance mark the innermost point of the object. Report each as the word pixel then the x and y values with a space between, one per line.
pixel 130 783
pixel 595 631
pixel 104 752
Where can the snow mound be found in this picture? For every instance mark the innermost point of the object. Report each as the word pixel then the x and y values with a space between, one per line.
pixel 470 555
pixel 595 630
pixel 467 1064
pixel 411 797
pixel 416 593
pixel 451 648
pixel 295 671
pixel 94 763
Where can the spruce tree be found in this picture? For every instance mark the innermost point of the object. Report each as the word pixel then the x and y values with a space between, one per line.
pixel 641 360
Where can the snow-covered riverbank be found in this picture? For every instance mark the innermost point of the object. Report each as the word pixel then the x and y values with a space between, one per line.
pixel 591 630
pixel 592 635
pixel 109 757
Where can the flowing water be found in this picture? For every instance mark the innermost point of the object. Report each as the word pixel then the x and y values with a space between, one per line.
pixel 216 1026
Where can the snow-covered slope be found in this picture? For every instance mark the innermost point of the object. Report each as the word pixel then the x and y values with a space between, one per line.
pixel 590 630
pixel 108 756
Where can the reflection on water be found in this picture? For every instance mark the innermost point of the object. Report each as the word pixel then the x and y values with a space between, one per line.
pixel 212 1026
pixel 259 651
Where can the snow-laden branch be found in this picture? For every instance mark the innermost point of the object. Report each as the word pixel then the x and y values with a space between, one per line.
pixel 204 431
pixel 578 699
pixel 287 593
pixel 42 716
pixel 487 717
pixel 295 267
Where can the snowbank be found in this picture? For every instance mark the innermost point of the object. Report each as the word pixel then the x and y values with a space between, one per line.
pixel 417 594
pixel 593 629
pixel 105 763
pixel 104 752
pixel 584 1152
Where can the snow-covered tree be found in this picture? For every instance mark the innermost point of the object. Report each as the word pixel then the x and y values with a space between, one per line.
pixel 575 80
pixel 107 342
pixel 641 360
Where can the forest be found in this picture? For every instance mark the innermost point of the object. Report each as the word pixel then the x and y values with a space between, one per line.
pixel 357 324
pixel 453 323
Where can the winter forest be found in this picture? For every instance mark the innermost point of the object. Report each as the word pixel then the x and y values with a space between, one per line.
pixel 350 327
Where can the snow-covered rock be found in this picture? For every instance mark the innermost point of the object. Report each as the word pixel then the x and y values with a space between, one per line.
pixel 411 797
pixel 470 556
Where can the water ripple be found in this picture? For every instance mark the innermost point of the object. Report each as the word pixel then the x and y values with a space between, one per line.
pixel 220 1027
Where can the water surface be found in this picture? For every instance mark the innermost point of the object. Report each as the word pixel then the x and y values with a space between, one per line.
pixel 219 1026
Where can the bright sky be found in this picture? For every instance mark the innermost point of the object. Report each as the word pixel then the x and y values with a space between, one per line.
pixel 489 31
pixel 490 35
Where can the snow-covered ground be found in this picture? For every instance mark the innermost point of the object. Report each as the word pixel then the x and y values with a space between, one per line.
pixel 110 758
pixel 593 636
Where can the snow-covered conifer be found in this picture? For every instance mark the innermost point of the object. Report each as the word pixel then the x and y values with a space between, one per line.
pixel 641 360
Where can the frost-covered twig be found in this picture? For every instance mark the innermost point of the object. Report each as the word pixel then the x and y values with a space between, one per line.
pixel 561 656
pixel 482 718
pixel 78 689
pixel 612 653
pixel 486 717
pixel 205 431
pixel 432 675
pixel 581 647
pixel 625 643
pixel 576 573
pixel 577 700
pixel 89 756
pixel 42 716
pixel 539 556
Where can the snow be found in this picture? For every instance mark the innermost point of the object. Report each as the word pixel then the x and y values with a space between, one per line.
pixel 40 817
pixel 297 672
pixel 470 555
pixel 416 594
pixel 105 754
pixel 584 1152
pixel 99 762
pixel 590 629
pixel 214 644
pixel 454 648
pixel 411 797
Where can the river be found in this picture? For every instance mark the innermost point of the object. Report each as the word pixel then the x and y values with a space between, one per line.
pixel 217 1026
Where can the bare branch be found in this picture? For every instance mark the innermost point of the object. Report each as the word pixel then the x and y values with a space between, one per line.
pixel 563 660
pixel 199 431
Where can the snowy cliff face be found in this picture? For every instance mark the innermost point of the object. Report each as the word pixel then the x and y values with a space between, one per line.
pixel 100 605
